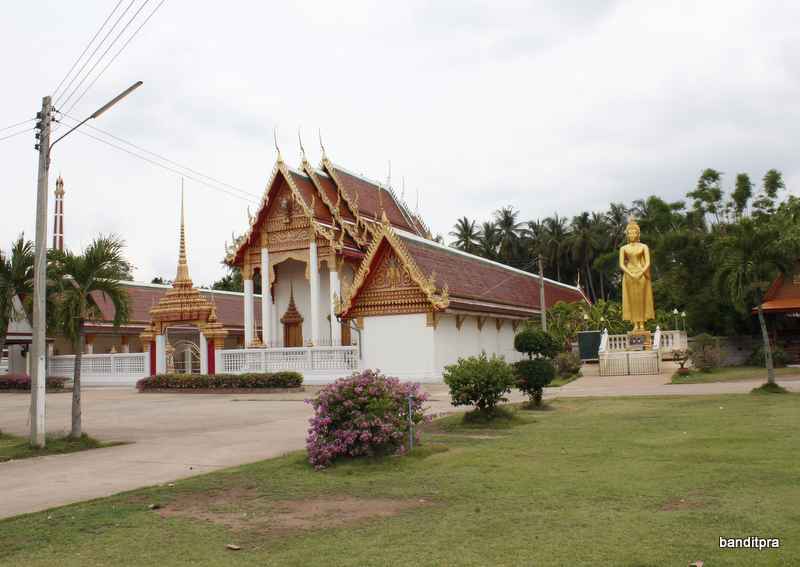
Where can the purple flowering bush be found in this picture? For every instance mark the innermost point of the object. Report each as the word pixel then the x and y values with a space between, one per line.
pixel 363 415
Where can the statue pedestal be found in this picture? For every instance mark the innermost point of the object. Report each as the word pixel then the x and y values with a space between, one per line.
pixel 640 340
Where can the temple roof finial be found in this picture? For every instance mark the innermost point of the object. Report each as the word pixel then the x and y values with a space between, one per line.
pixel 302 149
pixel 322 146
pixel 275 139
pixel 183 266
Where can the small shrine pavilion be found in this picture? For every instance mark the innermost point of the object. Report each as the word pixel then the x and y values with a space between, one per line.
pixel 781 307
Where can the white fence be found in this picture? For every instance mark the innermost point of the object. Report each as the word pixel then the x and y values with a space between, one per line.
pixel 670 340
pixel 630 363
pixel 122 369
pixel 335 361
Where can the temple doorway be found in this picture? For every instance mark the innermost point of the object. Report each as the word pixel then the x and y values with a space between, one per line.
pixel 292 324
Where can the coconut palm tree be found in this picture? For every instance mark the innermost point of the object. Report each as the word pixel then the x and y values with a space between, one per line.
pixel 556 237
pixel 16 280
pixel 489 241
pixel 583 245
pixel 509 228
pixel 81 280
pixel 749 255
pixel 466 234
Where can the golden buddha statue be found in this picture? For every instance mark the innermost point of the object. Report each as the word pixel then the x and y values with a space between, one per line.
pixel 637 286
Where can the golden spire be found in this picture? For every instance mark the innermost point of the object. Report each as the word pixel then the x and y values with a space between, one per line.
pixel 183 266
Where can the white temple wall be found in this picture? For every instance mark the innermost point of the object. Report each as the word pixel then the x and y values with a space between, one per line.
pixel 402 346
pixel 453 343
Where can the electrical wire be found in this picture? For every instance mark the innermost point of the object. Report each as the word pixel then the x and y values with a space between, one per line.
pixel 16 134
pixel 99 45
pixel 246 194
pixel 168 168
pixel 85 49
pixel 103 70
pixel 17 124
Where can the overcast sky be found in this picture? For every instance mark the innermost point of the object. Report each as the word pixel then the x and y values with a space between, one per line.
pixel 547 106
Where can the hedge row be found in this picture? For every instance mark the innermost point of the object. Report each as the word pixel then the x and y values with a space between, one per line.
pixel 23 382
pixel 221 381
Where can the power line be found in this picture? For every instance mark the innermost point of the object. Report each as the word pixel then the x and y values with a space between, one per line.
pixel 103 70
pixel 85 49
pixel 16 134
pixel 247 194
pixel 99 45
pixel 17 124
pixel 168 168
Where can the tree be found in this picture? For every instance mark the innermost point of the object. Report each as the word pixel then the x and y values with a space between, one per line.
pixel 583 243
pixel 232 281
pixel 556 239
pixel 771 184
pixel 508 228
pixel 741 194
pixel 467 235
pixel 16 280
pixel 708 193
pixel 82 279
pixel 750 254
pixel 489 241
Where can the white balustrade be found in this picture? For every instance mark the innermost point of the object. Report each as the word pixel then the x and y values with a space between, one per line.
pixel 301 359
pixel 623 363
pixel 106 369
pixel 669 341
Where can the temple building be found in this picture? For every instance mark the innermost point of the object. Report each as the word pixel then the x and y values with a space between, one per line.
pixel 340 258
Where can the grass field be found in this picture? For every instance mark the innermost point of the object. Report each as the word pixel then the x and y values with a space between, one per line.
pixel 731 374
pixel 13 447
pixel 644 481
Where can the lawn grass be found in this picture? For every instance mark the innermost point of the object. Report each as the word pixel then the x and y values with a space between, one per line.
pixel 13 447
pixel 635 481
pixel 731 374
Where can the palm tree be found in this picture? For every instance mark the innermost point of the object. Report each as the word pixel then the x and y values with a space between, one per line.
pixel 583 244
pixel 16 280
pixel 556 238
pixel 749 255
pixel 466 234
pixel 81 280
pixel 509 229
pixel 489 241
pixel 617 220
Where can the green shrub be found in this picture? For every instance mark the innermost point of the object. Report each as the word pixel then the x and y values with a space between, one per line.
pixel 567 364
pixel 479 381
pixel 264 380
pixel 532 341
pixel 532 376
pixel 779 357
pixel 23 382
pixel 705 353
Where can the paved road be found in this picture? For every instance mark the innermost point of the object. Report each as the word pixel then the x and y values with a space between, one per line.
pixel 175 436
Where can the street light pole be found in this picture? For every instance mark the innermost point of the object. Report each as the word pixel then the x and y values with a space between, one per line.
pixel 38 344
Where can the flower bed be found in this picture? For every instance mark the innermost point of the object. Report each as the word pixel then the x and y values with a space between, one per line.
pixel 222 382
pixel 22 382
pixel 363 415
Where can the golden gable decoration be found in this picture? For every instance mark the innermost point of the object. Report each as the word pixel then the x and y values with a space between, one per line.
pixel 398 286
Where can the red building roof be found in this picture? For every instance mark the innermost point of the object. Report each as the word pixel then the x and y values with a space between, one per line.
pixel 477 284
pixel 784 293
pixel 230 305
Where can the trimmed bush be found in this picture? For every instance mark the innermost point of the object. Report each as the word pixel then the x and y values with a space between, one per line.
pixel 779 357
pixel 532 376
pixel 567 364
pixel 705 353
pixel 255 380
pixel 536 341
pixel 23 382
pixel 479 381
pixel 364 415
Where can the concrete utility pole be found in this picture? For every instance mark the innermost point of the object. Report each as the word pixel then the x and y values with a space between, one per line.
pixel 38 352
pixel 542 304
